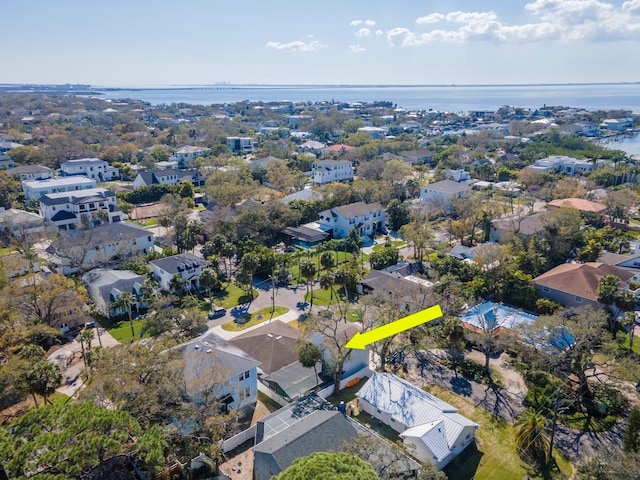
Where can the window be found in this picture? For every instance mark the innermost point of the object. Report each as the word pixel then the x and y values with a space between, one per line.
pixel 244 375
pixel 578 299
pixel 245 393
pixel 546 289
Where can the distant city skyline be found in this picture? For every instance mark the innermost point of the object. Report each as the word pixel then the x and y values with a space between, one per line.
pixel 375 42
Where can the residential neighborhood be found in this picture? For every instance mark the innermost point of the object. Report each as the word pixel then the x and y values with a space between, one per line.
pixel 200 270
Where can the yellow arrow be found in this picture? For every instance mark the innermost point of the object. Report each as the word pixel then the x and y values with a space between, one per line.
pixel 360 340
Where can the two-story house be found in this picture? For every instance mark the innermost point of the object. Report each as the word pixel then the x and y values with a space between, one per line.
pixel 327 171
pixel 217 371
pixel 34 189
pixel 576 284
pixel 240 144
pixel 105 286
pixel 94 168
pixel 145 178
pixel 71 210
pixel 186 265
pixel 187 155
pixel 20 222
pixel 367 218
pixel 98 246
pixel 443 193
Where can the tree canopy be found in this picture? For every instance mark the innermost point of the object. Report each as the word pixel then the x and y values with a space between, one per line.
pixel 328 466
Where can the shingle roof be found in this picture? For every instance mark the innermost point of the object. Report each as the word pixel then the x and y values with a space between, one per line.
pixel 321 431
pixel 27 169
pixel 580 279
pixel 273 345
pixel 580 204
pixel 528 225
pixel 108 284
pixel 358 209
pixel 173 263
pixel 209 353
pixel 447 186
pixel 77 196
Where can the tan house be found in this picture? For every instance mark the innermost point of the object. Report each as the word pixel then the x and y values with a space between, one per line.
pixel 576 284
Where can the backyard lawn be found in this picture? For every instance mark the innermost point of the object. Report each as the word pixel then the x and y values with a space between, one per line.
pixel 495 455
pixel 394 243
pixel 254 318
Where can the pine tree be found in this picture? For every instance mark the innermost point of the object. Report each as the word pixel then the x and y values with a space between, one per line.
pixel 631 438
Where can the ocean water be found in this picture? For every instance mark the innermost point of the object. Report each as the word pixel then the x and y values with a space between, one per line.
pixel 440 98
pixel 627 143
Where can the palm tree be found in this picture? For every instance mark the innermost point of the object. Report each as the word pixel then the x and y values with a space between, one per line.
pixel 43 379
pixel 95 313
pixel 531 435
pixel 178 284
pixel 126 300
pixel 326 260
pixel 326 283
pixel 308 271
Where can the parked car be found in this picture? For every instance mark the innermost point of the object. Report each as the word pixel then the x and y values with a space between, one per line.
pixel 216 312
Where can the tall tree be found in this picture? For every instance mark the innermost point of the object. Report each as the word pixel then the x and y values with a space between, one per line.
pixel 631 438
pixel 531 436
pixel 325 465
pixel 125 301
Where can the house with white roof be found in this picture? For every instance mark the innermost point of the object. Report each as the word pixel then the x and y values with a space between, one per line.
pixel 71 210
pixel 366 218
pixel 311 146
pixel 327 171
pixel 375 132
pixel 34 189
pixel 432 430
pixel 563 164
pixel 186 265
pixel 99 170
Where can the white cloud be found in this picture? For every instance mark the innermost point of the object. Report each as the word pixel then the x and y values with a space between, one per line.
pixel 356 49
pixel 363 32
pixel 431 18
pixel 566 20
pixel 379 32
pixel 368 23
pixel 296 46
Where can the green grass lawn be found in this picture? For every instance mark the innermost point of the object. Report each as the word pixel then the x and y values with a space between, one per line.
pixel 121 330
pixel 394 243
pixel 232 296
pixel 495 455
pixel 253 319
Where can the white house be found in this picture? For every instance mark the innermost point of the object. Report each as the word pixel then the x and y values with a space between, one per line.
pixel 168 176
pixel 34 189
pixel 327 171
pixel 240 144
pixel 186 265
pixel 98 246
pixel 366 218
pixel 99 170
pixel 20 222
pixel 29 172
pixel 70 210
pixel 443 192
pixel 187 155
pixel 432 430
pixel 311 146
pixel 563 164
pixel 105 286
pixel 375 132
pixel 215 367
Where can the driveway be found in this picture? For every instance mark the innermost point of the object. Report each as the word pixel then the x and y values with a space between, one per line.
pixel 69 359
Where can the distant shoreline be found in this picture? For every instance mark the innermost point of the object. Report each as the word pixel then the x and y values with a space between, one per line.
pixel 87 87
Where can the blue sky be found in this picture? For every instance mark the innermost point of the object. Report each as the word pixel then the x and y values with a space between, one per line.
pixel 161 42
